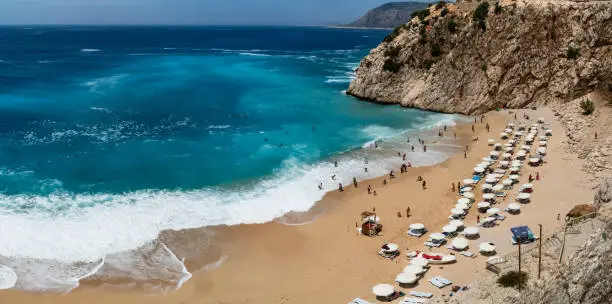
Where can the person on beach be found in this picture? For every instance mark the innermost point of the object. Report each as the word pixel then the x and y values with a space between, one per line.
pixel 334 177
pixel 453 187
pixel 444 128
pixel 530 178
pixel 412 148
pixel 477 219
pixel 399 214
pixel 375 145
pixel 455 134
pixel 355 182
pixel 538 175
pixel 336 164
pixel 340 187
pixel 419 178
pixel 475 120
pixel 384 181
pixel 365 169
pixel 424 185
pixel 467 148
pixel 595 135
pixel 473 129
pixel 409 164
pixel 366 161
pixel 320 186
pixel 458 186
pixel 391 175
pixel 404 156
pixel 374 193
pixel 399 154
pixel 424 148
pixel 369 189
pixel 464 154
pixel 408 212
pixel 488 127
pixel 407 139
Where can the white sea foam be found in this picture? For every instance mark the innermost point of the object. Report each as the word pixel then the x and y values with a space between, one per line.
pixel 90 50
pixel 8 278
pixel 100 85
pixel 219 126
pixel 253 54
pixel 105 110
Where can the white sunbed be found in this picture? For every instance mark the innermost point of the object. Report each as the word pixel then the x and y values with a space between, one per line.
pixel 359 301
pixel 420 294
pixel 437 283
pixel 411 301
pixel 443 280
pixel 468 254
pixel 415 234
pixel 432 244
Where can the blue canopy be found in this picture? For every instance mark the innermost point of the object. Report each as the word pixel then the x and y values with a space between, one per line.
pixel 522 232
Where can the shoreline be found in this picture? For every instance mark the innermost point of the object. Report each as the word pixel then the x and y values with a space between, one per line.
pixel 305 263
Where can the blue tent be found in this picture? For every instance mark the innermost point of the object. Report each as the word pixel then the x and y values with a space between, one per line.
pixel 522 233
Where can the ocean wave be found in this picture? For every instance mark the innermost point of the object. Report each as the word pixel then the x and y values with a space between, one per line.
pixel 169 48
pixel 254 54
pixel 219 126
pixel 99 85
pixel 105 110
pixel 336 79
pixel 8 277
pixel 90 50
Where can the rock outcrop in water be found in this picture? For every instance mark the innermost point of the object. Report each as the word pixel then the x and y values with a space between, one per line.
pixel 388 15
pixel 466 58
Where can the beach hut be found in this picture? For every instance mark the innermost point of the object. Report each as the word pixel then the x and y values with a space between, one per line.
pixel 404 279
pixel 471 232
pixel 523 197
pixel 449 229
pixel 514 208
pixel 457 223
pixel 384 292
pixel 417 229
pixel 486 188
pixel 460 243
pixel 503 135
pixel 522 233
pixel 468 181
pixel 491 142
pixel 534 161
pixel 493 211
pixel 468 195
pixel 488 197
pixel 371 225
pixel 483 206
pixel 416 269
pixel 541 151
pixel 486 248
pixel 527 188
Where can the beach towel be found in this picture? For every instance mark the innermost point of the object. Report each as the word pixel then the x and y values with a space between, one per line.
pixel 412 301
pixel 432 257
pixel 359 301
pixel 420 294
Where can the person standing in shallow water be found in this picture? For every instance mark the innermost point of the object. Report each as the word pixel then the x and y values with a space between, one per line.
pixel 355 182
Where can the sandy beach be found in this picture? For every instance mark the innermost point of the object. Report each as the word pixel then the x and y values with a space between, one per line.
pixel 326 261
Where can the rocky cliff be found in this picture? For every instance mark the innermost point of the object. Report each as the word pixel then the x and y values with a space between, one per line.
pixel 470 58
pixel 389 15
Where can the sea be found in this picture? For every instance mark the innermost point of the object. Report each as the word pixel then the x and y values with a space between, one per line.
pixel 111 135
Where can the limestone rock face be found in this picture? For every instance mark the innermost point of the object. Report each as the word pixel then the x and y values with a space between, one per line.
pixel 524 53
pixel 604 193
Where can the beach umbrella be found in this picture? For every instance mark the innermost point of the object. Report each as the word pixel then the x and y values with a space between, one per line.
pixel 488 196
pixel 494 154
pixel 462 206
pixel 508 130
pixel 419 261
pixel 514 207
pixel 491 180
pixel 479 169
pixel 526 147
pixel 406 278
pixel 456 211
pixel 510 125
pixel 497 146
pixel 540 119
pixel 488 219
pixel 493 211
pixel 498 188
pixel 416 269
pixel 456 223
pixel 470 231
pixel 522 127
pixel 437 236
pixel 534 161
pixel 487 159
pixel 516 163
pixel 508 145
pixel 507 155
pixel 486 247
pixel 543 138
pixel 527 186
pixel 523 196
pixel 468 195
pixel 514 176
pixel 508 149
pixel 515 169
pixel 507 182
pixel 468 181
pixel 518 134
pixel 8 277
pixel 503 135
pixel 390 247
pixel 543 143
pixel 487 187
pixel 504 163
pixel 484 164
pixel 491 142
pixel 484 205
pixel 383 290
pixel 372 218
pixel 548 132
pixel 541 151
pixel 466 189
pixel 521 153
pixel 460 243
pixel 449 229
pixel 463 200
pixel 417 226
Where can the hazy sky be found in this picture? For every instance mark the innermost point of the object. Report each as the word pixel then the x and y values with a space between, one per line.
pixel 272 12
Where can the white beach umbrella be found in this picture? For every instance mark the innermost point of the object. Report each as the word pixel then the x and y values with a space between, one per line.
pixel 512 141
pixel 527 186
pixel 456 211
pixel 518 134
pixel 491 142
pixel 526 147
pixel 493 211
pixel 486 247
pixel 540 119
pixel 507 155
pixel 503 135
pixel 462 206
pixel 8 277
pixel 494 154
pixel 437 236
pixel 534 161
pixel 449 229
pixel 416 269
pixel 507 182
pixel 391 248
pixel 488 196
pixel 504 163
pixel 419 261
pixel 548 132
pixel 383 290
pixel 491 180
pixel 508 130
pixel 468 181
pixel 508 149
pixel 479 169
pixel 470 231
pixel 497 146
pixel 456 223
pixel 468 195
pixel 521 153
pixel 541 151
pixel 515 169
pixel 523 196
pixel 543 138
pixel 488 219
pixel 406 278
pixel 509 144
pixel 543 143
pixel 463 200
pixel 487 159
pixel 460 243
pixel 487 187
pixel 498 188
pixel 417 226
pixel 484 205
pixel 510 125
pixel 522 127
pixel 514 207
pixel 467 189
pixel 514 176
pixel 516 163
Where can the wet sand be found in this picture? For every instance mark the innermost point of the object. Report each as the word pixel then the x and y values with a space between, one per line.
pixel 326 261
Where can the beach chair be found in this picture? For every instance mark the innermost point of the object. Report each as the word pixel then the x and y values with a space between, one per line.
pixel 499 217
pixel 443 280
pixel 415 234
pixel 468 254
pixel 436 283
pixel 359 301
pixel 412 301
pixel 500 194
pixel 420 294
pixel 432 244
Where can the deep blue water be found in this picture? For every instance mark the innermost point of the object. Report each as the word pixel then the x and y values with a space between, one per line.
pixel 153 128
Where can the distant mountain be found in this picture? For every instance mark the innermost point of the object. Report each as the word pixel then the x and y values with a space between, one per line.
pixel 389 15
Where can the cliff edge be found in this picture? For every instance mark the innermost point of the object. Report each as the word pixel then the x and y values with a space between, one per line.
pixel 472 57
pixel 388 15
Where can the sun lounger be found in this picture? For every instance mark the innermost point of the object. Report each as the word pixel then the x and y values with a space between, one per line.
pixel 359 301
pixel 500 194
pixel 499 217
pixel 420 294
pixel 415 234
pixel 468 254
pixel 436 283
pixel 412 301
pixel 432 244
pixel 443 280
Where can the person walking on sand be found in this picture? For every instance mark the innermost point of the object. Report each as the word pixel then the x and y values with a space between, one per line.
pixel 530 178
pixel 538 175
pixel 595 135
pixel 453 187
pixel 408 212
pixel 473 129
pixel 424 185
pixel 444 128
pixel 477 219
pixel 369 189
pixel 384 181
pixel 365 169
pixel 336 163
pixel 488 127
pixel 355 182
pixel 391 175
pixel 404 156
pixel 412 148
pixel 458 186
pixel 464 154
pixel 424 148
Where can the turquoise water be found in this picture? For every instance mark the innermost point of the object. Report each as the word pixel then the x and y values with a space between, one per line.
pixel 154 128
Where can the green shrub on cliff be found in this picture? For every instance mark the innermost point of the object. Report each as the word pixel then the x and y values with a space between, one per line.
pixel 451 25
pixel 422 14
pixel 394 34
pixel 427 63
pixel 440 4
pixel 391 66
pixel 435 50
pixel 587 107
pixel 513 279
pixel 573 53
pixel 481 12
pixel 393 52
pixel 498 8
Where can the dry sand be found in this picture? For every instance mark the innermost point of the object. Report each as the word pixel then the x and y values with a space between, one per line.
pixel 327 262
